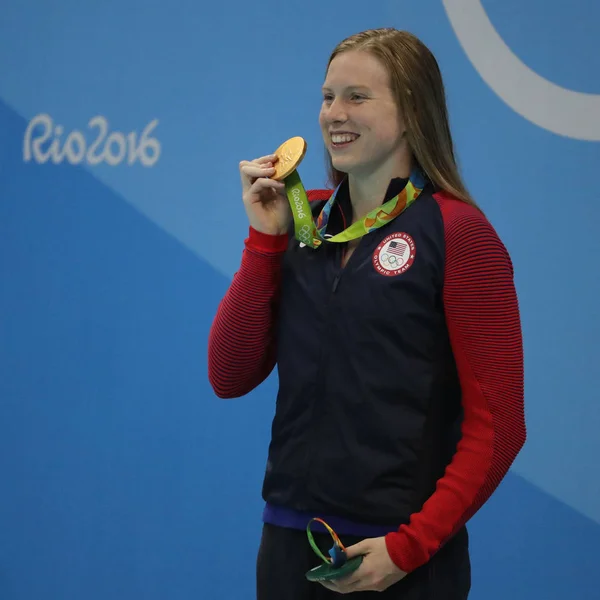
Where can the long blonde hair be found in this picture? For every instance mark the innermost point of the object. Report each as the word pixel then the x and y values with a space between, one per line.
pixel 418 88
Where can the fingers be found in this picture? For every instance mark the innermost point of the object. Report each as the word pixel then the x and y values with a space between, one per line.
pixel 254 171
pixel 340 586
pixel 358 549
pixel 272 158
pixel 353 579
pixel 262 185
pixel 263 159
pixel 263 162
pixel 329 585
pixel 251 171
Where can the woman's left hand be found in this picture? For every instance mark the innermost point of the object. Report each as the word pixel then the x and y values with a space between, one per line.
pixel 376 573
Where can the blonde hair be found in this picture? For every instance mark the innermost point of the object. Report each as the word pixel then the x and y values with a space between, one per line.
pixel 417 85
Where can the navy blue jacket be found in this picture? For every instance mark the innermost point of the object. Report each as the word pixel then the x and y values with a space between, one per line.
pixel 369 400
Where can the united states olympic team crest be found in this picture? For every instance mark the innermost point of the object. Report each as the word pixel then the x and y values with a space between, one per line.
pixel 395 254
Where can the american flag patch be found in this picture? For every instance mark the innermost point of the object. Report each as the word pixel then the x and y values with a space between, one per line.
pixel 397 247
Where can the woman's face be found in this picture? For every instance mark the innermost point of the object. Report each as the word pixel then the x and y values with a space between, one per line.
pixel 359 117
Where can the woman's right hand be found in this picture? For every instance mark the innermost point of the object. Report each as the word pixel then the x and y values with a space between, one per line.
pixel 265 200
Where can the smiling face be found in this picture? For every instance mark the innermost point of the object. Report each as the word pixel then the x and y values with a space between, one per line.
pixel 359 118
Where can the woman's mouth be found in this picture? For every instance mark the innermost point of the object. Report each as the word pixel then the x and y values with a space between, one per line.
pixel 342 139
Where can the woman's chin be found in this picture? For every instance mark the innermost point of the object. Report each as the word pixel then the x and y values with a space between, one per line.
pixel 343 166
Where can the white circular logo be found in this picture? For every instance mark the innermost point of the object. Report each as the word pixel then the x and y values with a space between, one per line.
pixel 394 255
pixel 555 108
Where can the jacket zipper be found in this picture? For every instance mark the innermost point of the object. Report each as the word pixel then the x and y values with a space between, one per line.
pixel 335 282
pixel 322 370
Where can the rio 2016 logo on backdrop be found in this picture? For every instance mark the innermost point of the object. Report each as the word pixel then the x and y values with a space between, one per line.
pixel 550 106
pixel 113 148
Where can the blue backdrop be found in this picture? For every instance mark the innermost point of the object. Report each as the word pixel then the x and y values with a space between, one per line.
pixel 121 224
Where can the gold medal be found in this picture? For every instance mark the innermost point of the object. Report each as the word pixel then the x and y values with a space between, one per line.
pixel 289 156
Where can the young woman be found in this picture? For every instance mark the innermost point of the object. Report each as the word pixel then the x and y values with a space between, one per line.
pixel 399 353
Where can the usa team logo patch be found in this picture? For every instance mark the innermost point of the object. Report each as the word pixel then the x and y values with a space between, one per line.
pixel 395 255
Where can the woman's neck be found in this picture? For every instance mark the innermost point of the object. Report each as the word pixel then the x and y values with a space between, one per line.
pixel 368 191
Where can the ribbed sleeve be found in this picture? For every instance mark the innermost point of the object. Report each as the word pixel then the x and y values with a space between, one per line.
pixel 485 332
pixel 241 345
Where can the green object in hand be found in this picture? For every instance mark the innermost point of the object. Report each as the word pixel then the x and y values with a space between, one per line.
pixel 337 564
pixel 327 572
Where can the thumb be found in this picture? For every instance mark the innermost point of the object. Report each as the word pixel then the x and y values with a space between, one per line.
pixel 358 549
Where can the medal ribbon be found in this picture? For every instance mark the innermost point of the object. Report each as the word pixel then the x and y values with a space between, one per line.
pixel 337 553
pixel 312 233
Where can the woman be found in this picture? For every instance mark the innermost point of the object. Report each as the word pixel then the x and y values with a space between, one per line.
pixel 399 354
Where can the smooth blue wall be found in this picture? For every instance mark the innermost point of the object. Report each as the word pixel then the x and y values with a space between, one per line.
pixel 121 475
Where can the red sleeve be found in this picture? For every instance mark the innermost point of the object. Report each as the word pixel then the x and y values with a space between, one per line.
pixel 241 350
pixel 485 332
pixel 241 346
